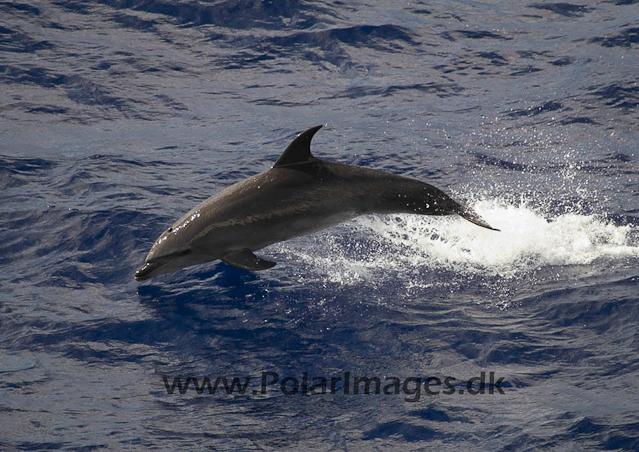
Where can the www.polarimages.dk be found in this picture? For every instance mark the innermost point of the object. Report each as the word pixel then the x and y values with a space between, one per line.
pixel 412 388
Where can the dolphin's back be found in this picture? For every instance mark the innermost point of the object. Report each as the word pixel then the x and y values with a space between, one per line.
pixel 283 203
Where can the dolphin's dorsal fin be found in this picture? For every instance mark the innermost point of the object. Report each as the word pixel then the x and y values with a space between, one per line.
pixel 299 151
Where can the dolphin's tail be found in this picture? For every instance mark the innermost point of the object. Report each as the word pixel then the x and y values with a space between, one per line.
pixel 414 196
pixel 469 214
pixel 439 203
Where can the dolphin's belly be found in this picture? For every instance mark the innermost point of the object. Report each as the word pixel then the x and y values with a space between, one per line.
pixel 261 229
pixel 290 228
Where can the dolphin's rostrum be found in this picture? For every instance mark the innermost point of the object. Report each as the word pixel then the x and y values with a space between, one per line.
pixel 299 195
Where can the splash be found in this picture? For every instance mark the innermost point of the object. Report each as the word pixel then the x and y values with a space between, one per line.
pixel 374 248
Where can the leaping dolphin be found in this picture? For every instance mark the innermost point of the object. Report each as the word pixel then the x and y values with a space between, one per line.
pixel 299 195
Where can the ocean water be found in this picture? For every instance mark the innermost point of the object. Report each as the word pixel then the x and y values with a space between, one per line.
pixel 119 116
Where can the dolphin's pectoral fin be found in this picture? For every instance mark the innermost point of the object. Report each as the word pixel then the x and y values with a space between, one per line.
pixel 246 260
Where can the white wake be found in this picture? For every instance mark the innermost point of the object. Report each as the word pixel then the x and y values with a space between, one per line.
pixel 378 247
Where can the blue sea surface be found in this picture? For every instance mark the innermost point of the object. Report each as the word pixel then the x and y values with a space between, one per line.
pixel 117 117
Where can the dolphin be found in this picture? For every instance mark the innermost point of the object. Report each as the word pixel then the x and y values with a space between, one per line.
pixel 299 195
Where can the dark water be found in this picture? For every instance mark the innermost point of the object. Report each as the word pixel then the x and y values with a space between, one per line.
pixel 118 117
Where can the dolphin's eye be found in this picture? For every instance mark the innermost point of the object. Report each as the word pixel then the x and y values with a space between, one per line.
pixel 169 230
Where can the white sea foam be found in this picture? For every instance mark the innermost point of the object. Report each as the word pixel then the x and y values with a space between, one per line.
pixel 529 240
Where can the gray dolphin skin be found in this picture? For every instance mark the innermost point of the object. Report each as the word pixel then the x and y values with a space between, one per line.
pixel 299 195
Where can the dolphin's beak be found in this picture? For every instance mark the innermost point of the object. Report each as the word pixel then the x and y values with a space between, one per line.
pixel 150 268
pixel 147 270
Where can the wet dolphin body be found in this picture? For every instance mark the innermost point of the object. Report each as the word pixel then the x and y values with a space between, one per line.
pixel 299 195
